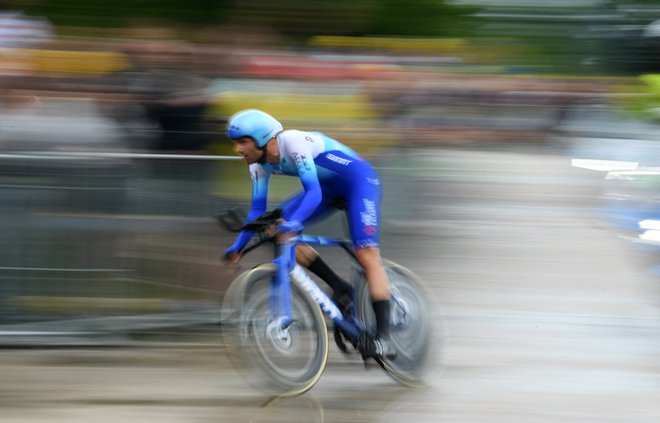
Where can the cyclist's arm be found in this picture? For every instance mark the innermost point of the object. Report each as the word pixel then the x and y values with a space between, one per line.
pixel 260 182
pixel 313 195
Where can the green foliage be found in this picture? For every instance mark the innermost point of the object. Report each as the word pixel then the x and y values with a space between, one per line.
pixel 289 17
pixel 113 13
pixel 305 18
pixel 420 18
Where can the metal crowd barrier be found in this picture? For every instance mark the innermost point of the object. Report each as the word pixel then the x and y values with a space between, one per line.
pixel 99 243
pixel 98 234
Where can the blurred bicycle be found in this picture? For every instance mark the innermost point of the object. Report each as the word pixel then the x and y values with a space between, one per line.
pixel 276 332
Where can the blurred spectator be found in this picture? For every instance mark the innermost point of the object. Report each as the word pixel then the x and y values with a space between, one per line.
pixel 165 79
pixel 18 30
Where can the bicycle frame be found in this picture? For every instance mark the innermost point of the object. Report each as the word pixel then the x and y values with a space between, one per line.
pixel 281 287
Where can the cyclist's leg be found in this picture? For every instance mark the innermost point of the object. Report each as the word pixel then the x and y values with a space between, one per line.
pixel 364 220
pixel 369 259
pixel 308 257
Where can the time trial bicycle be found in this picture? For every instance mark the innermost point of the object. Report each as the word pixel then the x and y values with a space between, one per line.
pixel 274 324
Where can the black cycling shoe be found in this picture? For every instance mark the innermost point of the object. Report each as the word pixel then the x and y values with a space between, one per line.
pixel 379 348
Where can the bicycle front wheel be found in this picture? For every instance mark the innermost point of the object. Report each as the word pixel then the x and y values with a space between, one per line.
pixel 285 361
pixel 411 328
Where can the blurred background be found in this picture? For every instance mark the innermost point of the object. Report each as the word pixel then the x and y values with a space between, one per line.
pixel 114 159
pixel 477 113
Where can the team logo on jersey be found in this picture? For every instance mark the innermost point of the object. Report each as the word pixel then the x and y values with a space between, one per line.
pixel 301 162
pixel 338 159
pixel 368 217
pixel 370 230
pixel 304 161
pixel 366 243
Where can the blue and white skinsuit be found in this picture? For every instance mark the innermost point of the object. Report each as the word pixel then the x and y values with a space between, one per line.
pixel 329 171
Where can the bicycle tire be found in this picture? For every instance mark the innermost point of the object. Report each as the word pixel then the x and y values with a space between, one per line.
pixel 228 309
pixel 282 363
pixel 412 329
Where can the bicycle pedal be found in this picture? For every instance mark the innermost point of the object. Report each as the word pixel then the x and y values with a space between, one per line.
pixel 339 340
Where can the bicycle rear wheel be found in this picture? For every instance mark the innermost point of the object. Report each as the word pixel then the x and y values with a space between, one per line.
pixel 282 361
pixel 411 328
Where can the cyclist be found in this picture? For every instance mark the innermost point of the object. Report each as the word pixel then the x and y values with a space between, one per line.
pixel 330 173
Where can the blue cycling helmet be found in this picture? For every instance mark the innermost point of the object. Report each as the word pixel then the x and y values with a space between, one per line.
pixel 253 123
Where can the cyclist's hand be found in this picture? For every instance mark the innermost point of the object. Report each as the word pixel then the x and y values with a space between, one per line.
pixel 273 228
pixel 232 257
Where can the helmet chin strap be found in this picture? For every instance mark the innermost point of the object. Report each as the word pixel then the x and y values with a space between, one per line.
pixel 262 159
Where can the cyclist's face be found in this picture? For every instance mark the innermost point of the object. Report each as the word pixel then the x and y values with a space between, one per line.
pixel 247 148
